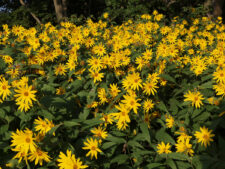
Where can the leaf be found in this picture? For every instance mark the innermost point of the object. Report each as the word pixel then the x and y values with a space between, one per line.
pixel 145 131
pixel 183 165
pixel 108 145
pixel 162 135
pixel 90 123
pixel 207 85
pixel 84 114
pixel 53 129
pixel 178 156
pixel 162 106
pixel 70 123
pixel 133 143
pixel 117 140
pixel 171 163
pixel 120 159
pixel 203 117
pixel 152 165
pixel 168 78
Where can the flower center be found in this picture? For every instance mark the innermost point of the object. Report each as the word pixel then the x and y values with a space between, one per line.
pixel 26 94
pixel 75 166
pixel 28 140
pixel 4 87
pixel 93 148
pixel 206 137
pixel 132 103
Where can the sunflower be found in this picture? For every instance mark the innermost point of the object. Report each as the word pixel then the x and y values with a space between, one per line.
pixel 204 136
pixel 91 145
pixel 23 141
pixel 99 50
pixel 95 63
pixel 164 148
pixel 4 88
pixel 99 132
pixel 123 114
pixel 184 147
pixel 68 161
pixel 169 121
pixel 195 97
pixel 39 156
pixel 148 105
pixel 131 102
pixel 114 90
pixel 60 69
pixel 219 75
pixel 150 87
pixel 24 97
pixel 96 75
pixel 43 126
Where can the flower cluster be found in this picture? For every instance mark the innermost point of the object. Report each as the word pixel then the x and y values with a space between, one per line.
pixel 102 82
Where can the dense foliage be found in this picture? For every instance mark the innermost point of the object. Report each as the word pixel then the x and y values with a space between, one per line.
pixel 138 95
pixel 13 13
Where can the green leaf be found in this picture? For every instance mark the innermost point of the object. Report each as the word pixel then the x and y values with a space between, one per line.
pixel 171 163
pixel 108 145
pixel 133 143
pixel 162 135
pixel 162 106
pixel 145 131
pixel 53 129
pixel 120 159
pixel 117 140
pixel 207 85
pixel 203 117
pixel 152 165
pixel 168 78
pixel 84 114
pixel 183 165
pixel 70 123
pixel 178 156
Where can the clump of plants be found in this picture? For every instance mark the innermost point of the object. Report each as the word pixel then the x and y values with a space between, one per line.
pixel 137 95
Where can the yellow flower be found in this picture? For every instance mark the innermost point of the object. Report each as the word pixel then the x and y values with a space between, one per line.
pixel 20 156
pixel 135 81
pixel 219 75
pixel 4 88
pixel 102 96
pixel 131 102
pixel 60 91
pixel 99 50
pixel 43 126
pixel 91 145
pixel 195 97
pixel 23 141
pixel 123 114
pixel 150 87
pixel 107 118
pixel 164 148
pixel 95 63
pixel 169 121
pixel 68 161
pixel 25 97
pixel 184 147
pixel 148 105
pixel 114 90
pixel 60 69
pixel 220 89
pixel 96 75
pixel 99 132
pixel 39 156
pixel 105 15
pixel 204 136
